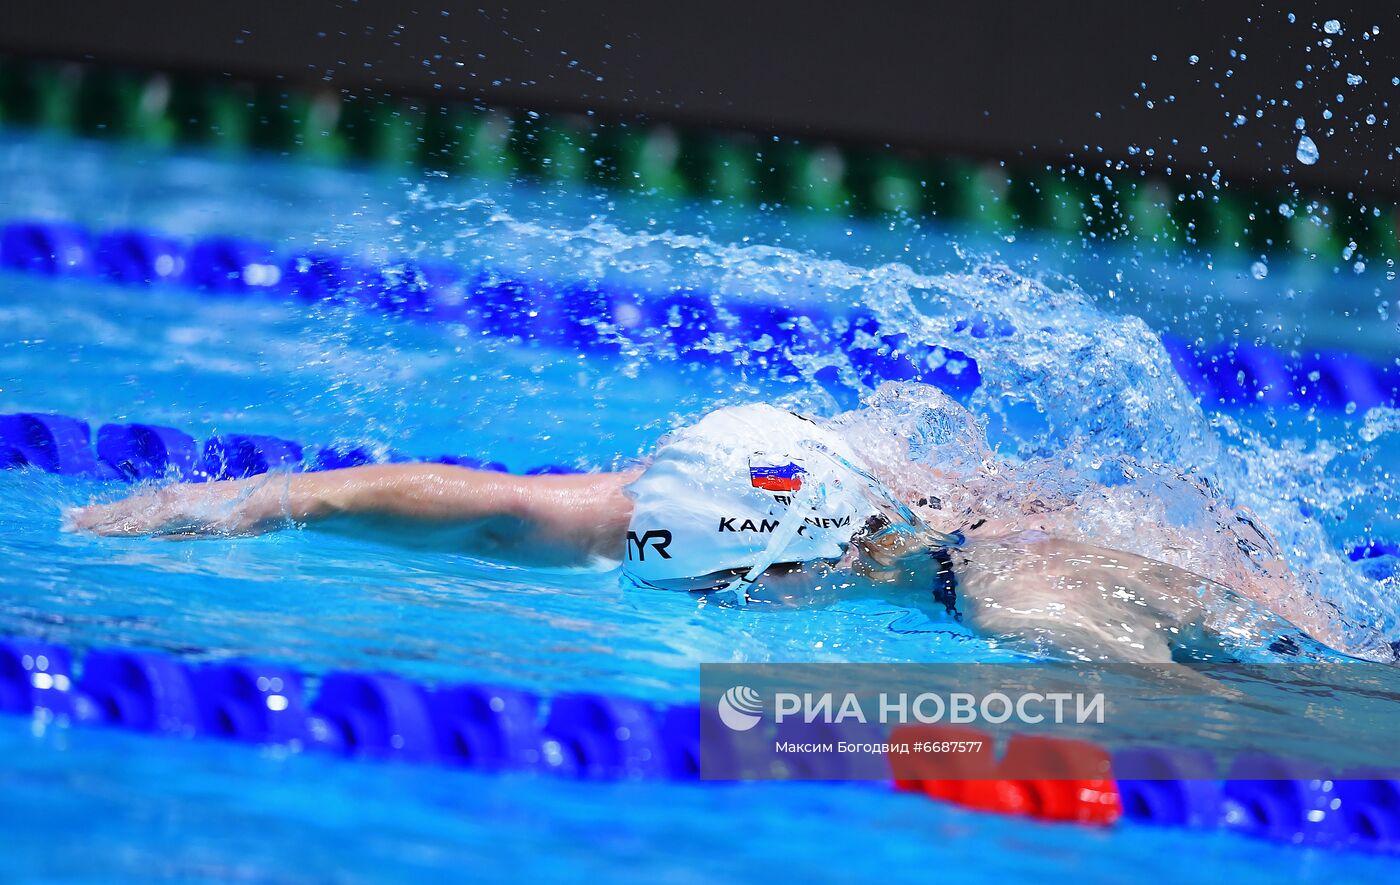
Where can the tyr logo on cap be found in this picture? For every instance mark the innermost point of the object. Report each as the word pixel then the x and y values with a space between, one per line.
pixel 657 539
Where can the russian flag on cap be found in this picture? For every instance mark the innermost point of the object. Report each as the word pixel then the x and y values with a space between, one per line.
pixel 776 477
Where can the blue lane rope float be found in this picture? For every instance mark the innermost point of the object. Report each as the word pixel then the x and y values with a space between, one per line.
pixel 53 443
pixel 1246 374
pixel 138 452
pixel 591 315
pixel 376 715
pixel 1260 799
pixel 1375 549
pixel 592 736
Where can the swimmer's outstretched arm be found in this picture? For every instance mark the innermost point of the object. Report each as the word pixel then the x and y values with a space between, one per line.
pixel 540 520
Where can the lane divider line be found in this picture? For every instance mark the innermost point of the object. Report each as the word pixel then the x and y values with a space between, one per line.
pixel 683 323
pixel 593 736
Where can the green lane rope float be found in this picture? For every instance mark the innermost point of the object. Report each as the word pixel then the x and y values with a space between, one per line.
pixel 159 110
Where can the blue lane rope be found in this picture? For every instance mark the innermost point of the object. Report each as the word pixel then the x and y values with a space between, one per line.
pixel 361 714
pixel 583 314
pixel 137 452
pixel 585 735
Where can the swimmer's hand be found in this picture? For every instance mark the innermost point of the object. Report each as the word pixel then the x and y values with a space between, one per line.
pixel 187 510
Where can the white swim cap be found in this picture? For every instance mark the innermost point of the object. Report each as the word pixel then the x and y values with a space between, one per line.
pixel 717 491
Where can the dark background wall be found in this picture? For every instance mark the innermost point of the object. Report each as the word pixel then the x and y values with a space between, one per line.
pixel 998 79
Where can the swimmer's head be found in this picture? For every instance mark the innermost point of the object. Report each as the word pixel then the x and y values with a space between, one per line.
pixel 743 489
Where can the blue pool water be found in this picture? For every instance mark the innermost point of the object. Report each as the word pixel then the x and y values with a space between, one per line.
pixel 1079 371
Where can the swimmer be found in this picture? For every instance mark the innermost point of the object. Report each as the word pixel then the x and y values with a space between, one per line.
pixel 782 509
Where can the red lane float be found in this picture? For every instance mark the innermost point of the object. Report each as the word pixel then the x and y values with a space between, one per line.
pixel 1041 777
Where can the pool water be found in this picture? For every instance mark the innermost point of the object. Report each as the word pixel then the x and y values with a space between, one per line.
pixel 1080 372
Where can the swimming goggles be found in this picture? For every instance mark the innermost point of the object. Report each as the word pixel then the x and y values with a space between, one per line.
pixel 899 518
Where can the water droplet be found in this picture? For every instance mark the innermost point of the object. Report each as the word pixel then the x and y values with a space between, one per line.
pixel 1259 270
pixel 1299 124
pixel 1332 26
pixel 1285 210
pixel 1354 79
pixel 1307 151
pixel 1193 59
